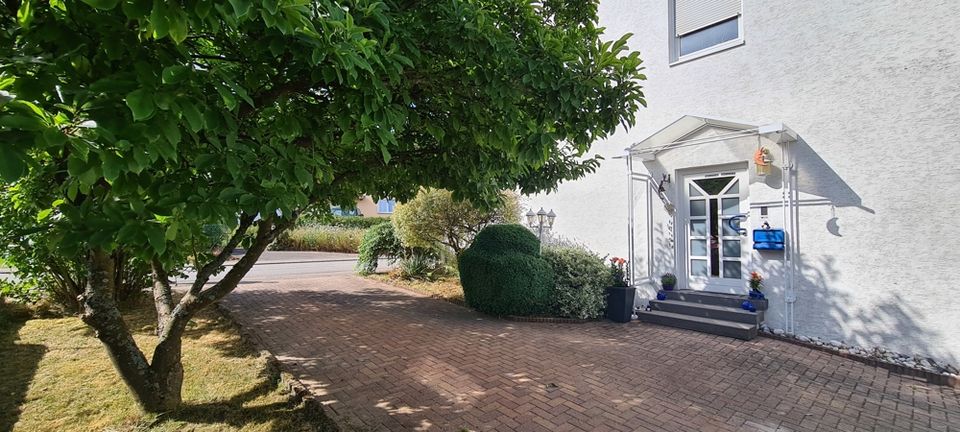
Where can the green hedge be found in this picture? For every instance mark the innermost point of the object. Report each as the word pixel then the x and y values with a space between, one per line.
pixel 357 221
pixel 326 219
pixel 320 238
pixel 502 273
pixel 581 279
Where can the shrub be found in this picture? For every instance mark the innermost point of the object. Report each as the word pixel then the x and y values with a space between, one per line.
pixel 502 273
pixel 216 234
pixel 378 241
pixel 357 221
pixel 320 238
pixel 580 279
pixel 419 265
pixel 435 218
pixel 327 219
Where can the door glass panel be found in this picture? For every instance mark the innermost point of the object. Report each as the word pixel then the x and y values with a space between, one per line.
pixel 698 247
pixel 734 188
pixel 731 206
pixel 693 191
pixel 698 227
pixel 731 248
pixel 727 231
pixel 714 236
pixel 698 208
pixel 731 269
pixel 698 267
pixel 713 186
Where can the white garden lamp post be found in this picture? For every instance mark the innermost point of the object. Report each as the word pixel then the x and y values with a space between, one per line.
pixel 539 220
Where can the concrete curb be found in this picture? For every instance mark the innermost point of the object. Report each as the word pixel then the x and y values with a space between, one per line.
pixel 930 377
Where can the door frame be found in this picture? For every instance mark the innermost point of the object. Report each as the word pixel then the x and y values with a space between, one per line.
pixel 682 231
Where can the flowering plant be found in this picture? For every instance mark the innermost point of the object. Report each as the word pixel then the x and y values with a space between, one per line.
pixel 756 281
pixel 618 272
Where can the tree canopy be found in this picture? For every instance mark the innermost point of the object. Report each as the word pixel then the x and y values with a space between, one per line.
pixel 128 125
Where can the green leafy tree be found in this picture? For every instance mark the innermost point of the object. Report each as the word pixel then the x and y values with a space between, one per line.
pixel 435 218
pixel 138 122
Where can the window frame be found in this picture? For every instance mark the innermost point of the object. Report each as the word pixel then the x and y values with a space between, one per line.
pixel 674 40
pixel 392 204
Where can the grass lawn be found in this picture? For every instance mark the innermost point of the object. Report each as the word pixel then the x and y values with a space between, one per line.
pixel 57 377
pixel 448 288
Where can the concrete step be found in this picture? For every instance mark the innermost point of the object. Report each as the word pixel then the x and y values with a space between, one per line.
pixel 706 325
pixel 716 299
pixel 725 313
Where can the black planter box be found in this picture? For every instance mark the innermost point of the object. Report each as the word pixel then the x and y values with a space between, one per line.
pixel 620 303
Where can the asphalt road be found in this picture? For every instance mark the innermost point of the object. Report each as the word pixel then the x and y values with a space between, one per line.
pixel 274 266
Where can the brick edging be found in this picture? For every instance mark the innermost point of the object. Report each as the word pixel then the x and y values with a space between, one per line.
pixel 300 393
pixel 551 320
pixel 930 377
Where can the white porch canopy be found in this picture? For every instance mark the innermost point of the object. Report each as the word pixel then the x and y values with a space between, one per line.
pixel 689 131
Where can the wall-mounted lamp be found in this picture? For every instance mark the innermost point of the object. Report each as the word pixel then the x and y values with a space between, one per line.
pixel 664 180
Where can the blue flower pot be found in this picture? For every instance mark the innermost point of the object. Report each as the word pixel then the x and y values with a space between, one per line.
pixel 669 287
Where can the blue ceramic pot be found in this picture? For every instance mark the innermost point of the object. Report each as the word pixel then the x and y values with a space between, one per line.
pixel 669 287
pixel 747 305
pixel 661 295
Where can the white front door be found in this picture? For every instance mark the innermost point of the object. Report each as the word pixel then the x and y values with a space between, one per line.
pixel 716 252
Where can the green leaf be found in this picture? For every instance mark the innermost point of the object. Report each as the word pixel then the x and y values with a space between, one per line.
pixel 102 4
pixel 303 176
pixel 44 214
pixel 141 104
pixel 174 74
pixel 228 98
pixel 25 13
pixel 156 236
pixel 178 28
pixel 159 20
pixel 241 7
pixel 12 166
pixel 193 116
pixel 53 137
pixel 171 233
pixel 21 122
pixel 112 165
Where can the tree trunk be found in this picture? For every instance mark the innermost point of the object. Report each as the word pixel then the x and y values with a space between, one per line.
pixel 157 384
pixel 156 389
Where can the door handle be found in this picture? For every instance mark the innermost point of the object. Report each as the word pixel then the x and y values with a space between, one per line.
pixel 734 223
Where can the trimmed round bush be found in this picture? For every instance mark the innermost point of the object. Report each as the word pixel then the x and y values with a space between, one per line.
pixel 581 279
pixel 507 237
pixel 502 273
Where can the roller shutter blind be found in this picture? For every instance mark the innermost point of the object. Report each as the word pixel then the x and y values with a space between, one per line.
pixel 692 15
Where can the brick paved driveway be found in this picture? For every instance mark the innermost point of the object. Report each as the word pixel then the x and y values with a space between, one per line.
pixel 386 359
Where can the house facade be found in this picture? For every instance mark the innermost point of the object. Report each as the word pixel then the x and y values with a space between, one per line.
pixel 812 142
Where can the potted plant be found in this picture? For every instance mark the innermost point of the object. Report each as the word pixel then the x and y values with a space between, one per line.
pixel 756 282
pixel 668 281
pixel 620 294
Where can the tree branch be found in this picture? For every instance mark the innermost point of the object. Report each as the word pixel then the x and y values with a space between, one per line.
pixel 162 295
pixel 203 275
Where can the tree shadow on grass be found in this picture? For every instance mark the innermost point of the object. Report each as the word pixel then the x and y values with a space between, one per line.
pixel 242 410
pixel 18 365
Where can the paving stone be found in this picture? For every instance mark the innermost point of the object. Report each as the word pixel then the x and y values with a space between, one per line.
pixel 389 359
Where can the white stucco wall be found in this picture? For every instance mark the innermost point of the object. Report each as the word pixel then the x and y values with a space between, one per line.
pixel 873 90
